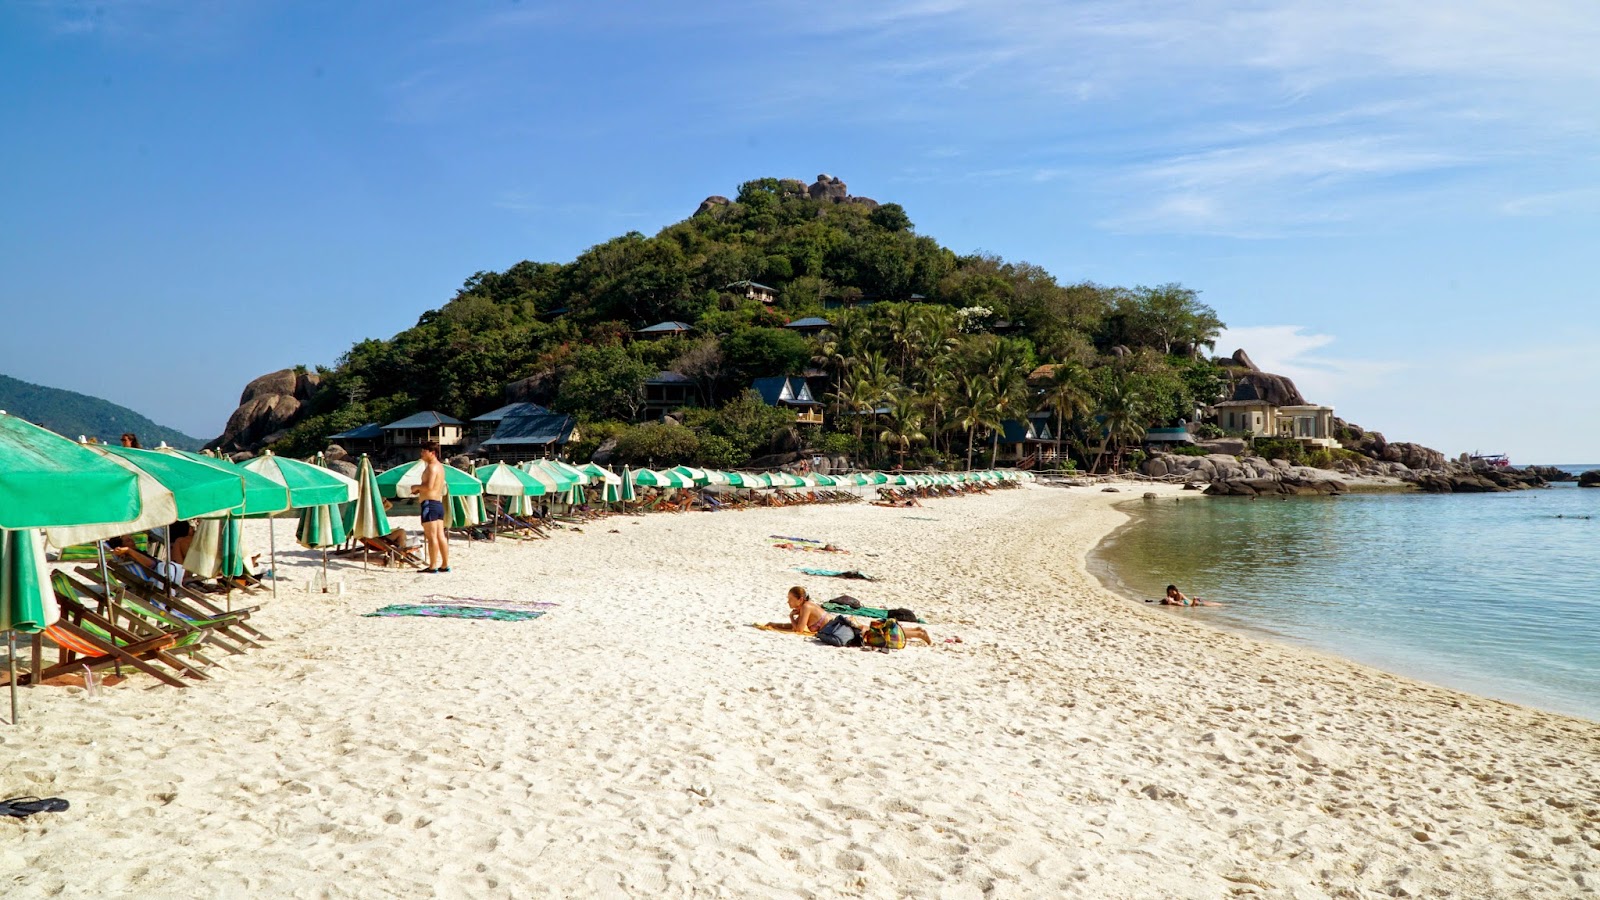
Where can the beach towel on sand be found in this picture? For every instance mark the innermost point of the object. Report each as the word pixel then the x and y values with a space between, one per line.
pixel 835 573
pixel 865 612
pixel 451 611
pixel 521 605
pixel 768 627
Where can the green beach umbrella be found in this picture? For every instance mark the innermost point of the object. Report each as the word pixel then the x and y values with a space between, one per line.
pixel 595 470
pixel 694 477
pixel 582 476
pixel 576 496
pixel 665 478
pixel 308 485
pixel 49 481
pixel 825 480
pixel 398 481
pixel 628 492
pixel 217 549
pixel 262 495
pixel 189 490
pixel 554 479
pixel 508 481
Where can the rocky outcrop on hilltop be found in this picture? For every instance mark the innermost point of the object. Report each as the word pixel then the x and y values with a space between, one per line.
pixel 827 188
pixel 268 406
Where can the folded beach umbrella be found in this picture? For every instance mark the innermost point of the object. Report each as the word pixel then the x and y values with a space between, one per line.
pixel 27 603
pixel 216 550
pixel 628 493
pixel 320 527
pixel 466 511
pixel 365 517
pixel 576 496
pixel 398 481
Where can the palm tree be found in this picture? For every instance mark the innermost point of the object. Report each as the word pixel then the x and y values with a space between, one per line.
pixel 904 428
pixel 977 410
pixel 1068 394
pixel 1123 417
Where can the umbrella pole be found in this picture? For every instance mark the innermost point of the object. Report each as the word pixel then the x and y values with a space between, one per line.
pixel 105 599
pixel 11 641
pixel 272 543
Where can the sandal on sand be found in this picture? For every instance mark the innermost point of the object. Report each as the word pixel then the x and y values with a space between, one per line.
pixel 428 572
pixel 23 807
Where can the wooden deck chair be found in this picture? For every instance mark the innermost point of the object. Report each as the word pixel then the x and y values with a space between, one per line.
pixel 159 613
pixel 180 597
pixel 118 626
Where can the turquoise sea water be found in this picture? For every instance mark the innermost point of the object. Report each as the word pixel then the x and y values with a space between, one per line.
pixel 1496 594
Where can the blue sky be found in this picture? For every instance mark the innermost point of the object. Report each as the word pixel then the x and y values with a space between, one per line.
pixel 1396 204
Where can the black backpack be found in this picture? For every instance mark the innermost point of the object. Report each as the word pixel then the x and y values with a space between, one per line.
pixel 839 633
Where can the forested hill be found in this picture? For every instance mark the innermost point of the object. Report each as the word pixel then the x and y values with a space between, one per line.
pixel 952 342
pixel 72 414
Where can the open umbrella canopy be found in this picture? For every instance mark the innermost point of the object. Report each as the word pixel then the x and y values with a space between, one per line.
pixel 308 485
pixel 197 489
pixel 552 476
pixel 365 517
pixel 595 470
pixel 508 481
pixel 27 603
pixel 825 480
pixel 661 479
pixel 693 476
pixel 262 495
pixel 398 481
pixel 582 476
pixel 47 480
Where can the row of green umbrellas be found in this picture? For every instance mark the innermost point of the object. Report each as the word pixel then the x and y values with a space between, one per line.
pixel 686 477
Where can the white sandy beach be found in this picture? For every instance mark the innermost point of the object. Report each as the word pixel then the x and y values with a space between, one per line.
pixel 641 739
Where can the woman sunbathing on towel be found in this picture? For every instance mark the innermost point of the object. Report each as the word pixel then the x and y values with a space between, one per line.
pixel 805 615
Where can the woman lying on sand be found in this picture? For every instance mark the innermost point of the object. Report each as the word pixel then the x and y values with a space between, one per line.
pixel 806 616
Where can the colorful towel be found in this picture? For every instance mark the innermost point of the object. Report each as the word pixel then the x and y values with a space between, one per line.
pixel 447 611
pixel 769 627
pixel 835 573
pixel 808 548
pixel 865 612
pixel 522 605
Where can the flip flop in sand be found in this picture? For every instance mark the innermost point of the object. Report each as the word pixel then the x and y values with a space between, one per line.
pixel 23 807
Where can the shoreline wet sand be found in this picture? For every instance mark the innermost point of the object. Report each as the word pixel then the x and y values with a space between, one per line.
pixel 642 739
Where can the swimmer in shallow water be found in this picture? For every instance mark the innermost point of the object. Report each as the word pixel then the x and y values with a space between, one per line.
pixel 1175 597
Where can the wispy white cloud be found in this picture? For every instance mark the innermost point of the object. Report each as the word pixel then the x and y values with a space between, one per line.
pixel 1323 375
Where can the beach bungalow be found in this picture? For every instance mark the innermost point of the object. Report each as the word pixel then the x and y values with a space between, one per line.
pixel 809 325
pixel 410 432
pixel 666 392
pixel 366 438
pixel 1248 410
pixel 781 390
pixel 753 291
pixel 663 329
pixel 1021 439
pixel 533 436
pixel 481 428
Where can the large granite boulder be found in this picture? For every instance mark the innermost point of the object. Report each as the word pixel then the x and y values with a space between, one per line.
pixel 714 201
pixel 828 187
pixel 267 407
pixel 1225 446
pixel 1590 478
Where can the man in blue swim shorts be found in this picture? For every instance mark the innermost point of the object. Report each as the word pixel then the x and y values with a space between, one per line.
pixel 431 493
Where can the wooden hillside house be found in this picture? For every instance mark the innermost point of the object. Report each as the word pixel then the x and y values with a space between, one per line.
pixel 410 432
pixel 753 291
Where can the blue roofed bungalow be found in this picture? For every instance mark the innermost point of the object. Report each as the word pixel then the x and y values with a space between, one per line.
pixel 483 427
pixel 1022 440
pixel 427 425
pixel 535 436
pixel 366 439
pixel 809 325
pixel 664 329
pixel 793 393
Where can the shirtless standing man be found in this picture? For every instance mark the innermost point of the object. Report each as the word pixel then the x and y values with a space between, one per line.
pixel 431 492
